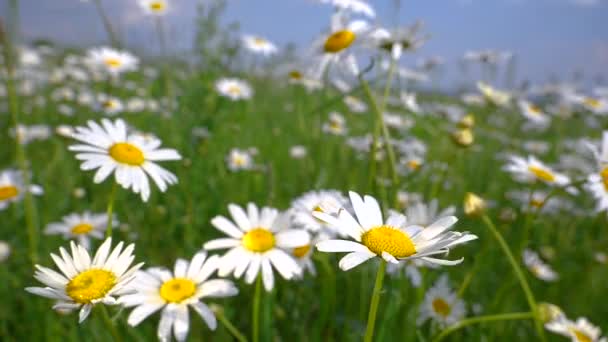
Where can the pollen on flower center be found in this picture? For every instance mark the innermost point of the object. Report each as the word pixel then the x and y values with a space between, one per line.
pixel 535 109
pixel 592 102
pixel 300 252
pixel 413 164
pixel 90 285
pixel 234 90
pixel 113 62
pixel 8 192
pixel 295 75
pixel 258 240
pixel 537 203
pixel 580 336
pixel 82 228
pixel 157 6
pixel 127 154
pixel 441 307
pixel 177 290
pixel 390 240
pixel 542 174
pixel 259 41
pixel 339 41
pixel 603 174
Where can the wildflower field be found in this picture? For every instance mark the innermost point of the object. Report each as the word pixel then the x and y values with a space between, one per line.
pixel 253 193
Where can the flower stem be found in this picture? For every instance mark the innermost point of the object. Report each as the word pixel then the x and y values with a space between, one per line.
pixel 110 210
pixel 231 328
pixel 373 307
pixel 107 321
pixel 483 319
pixel 520 275
pixel 256 309
pixel 107 25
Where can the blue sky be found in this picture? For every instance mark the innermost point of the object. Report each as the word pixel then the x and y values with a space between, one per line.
pixel 548 36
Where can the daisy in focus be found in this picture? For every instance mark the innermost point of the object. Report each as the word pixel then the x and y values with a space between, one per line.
pixel 393 240
pixel 441 304
pixel 259 45
pixel 537 267
pixel 258 239
pixel 174 292
pixel 234 89
pixel 12 187
pixel 113 61
pixel 154 7
pixel 580 331
pixel 110 148
pixel 81 227
pixel 531 169
pixel 83 282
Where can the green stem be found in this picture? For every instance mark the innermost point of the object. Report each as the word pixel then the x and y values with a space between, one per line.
pixel 107 321
pixel 483 319
pixel 519 273
pixel 13 99
pixel 110 209
pixel 373 307
pixel 231 328
pixel 256 309
pixel 107 25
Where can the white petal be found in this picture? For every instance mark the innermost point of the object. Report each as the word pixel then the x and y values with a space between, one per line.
pixel 224 225
pixel 267 275
pixel 142 312
pixel 292 238
pixel 181 323
pixel 239 216
pixel 84 312
pixel 336 246
pixel 354 259
pixel 206 314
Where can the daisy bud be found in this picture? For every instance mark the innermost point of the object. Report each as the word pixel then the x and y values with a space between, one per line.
pixel 468 121
pixel 548 312
pixel 463 137
pixel 473 205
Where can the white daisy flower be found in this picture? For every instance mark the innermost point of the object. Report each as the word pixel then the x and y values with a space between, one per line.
pixel 110 105
pixel 81 227
pixel 26 134
pixel 594 105
pixel 336 124
pixel 537 267
pixel 354 104
pixel 423 214
pixel 303 255
pixel 535 201
pixel 580 331
pixel 114 62
pixel 83 282
pixel 238 160
pixel 327 201
pixel 597 182
pixel 494 96
pixel 174 292
pixel 259 45
pixel 392 240
pixel 234 89
pixel 354 6
pixel 154 7
pixel 298 152
pixel 110 148
pixel 5 250
pixel 531 169
pixel 12 187
pixel 441 304
pixel 533 113
pixel 409 102
pixel 398 40
pixel 257 239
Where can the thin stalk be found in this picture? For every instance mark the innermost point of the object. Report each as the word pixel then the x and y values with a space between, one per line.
pixel 107 322
pixel 483 319
pixel 13 99
pixel 230 327
pixel 107 24
pixel 110 209
pixel 373 307
pixel 519 273
pixel 256 309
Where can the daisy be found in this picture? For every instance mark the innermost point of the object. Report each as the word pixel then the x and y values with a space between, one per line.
pixel 298 152
pixel 392 240
pixel 540 270
pixel 26 134
pixel 303 254
pixel 259 45
pixel 441 304
pixel 115 62
pixel 238 160
pixel 494 96
pixel 234 89
pixel 423 214
pixel 302 208
pixel 533 113
pixel 111 148
pixel 580 331
pixel 174 292
pixel 398 40
pixel 109 104
pixel 154 7
pixel 257 239
pixel 354 6
pixel 83 282
pixel 12 187
pixel 535 201
pixel 336 124
pixel 81 227
pixel 5 250
pixel 597 182
pixel 354 104
pixel 335 46
pixel 531 169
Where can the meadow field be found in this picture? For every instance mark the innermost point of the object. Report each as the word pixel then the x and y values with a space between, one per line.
pixel 334 195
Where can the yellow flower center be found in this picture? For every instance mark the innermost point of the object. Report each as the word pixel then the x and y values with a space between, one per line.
pixel 126 153
pixel 339 41
pixel 82 228
pixel 441 307
pixel 413 164
pixel 259 41
pixel 157 6
pixel 537 203
pixel 591 102
pixel 113 62
pixel 390 240
pixel 542 174
pixel 177 290
pixel 258 240
pixel 300 252
pixel 110 104
pixel 90 285
pixel 534 109
pixel 580 336
pixel 603 174
pixel 234 90
pixel 239 160
pixel 8 192
pixel 295 75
